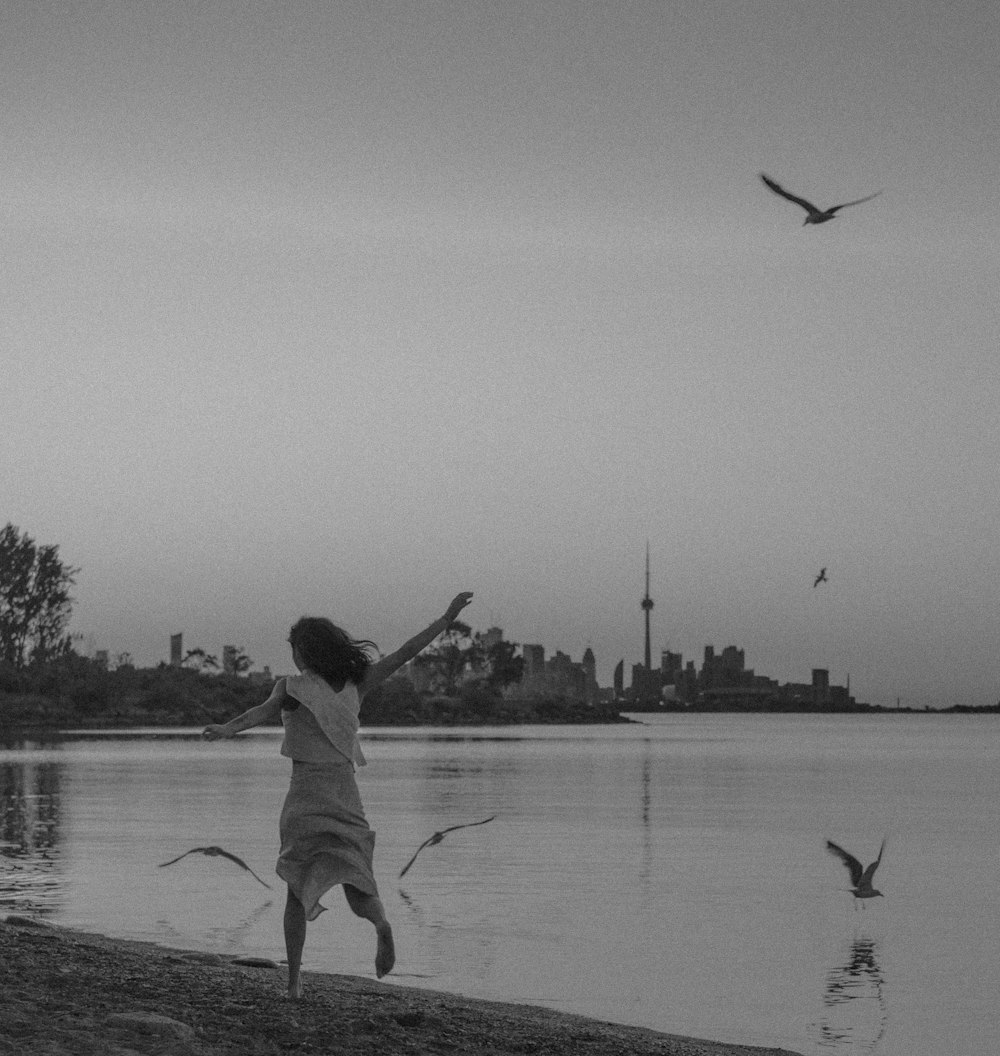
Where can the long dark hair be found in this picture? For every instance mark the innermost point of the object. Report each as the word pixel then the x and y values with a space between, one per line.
pixel 329 651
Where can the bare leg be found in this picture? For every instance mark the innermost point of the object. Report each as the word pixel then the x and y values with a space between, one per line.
pixel 295 940
pixel 370 908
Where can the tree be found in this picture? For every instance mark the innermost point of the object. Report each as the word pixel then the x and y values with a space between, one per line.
pixel 503 666
pixel 448 657
pixel 35 603
pixel 201 659
pixel 235 660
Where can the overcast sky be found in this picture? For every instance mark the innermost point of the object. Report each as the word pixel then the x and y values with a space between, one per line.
pixel 340 308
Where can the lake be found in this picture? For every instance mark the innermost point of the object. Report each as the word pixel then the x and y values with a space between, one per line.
pixel 671 874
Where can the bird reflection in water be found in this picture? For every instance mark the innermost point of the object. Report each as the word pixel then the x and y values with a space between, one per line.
pixel 856 1013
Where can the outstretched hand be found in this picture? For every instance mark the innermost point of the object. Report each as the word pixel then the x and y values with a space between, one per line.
pixel 214 733
pixel 457 604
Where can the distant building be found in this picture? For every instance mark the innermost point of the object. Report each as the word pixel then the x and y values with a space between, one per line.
pixel 558 676
pixel 589 665
pixel 534 661
pixel 726 684
pixel 176 649
pixel 101 658
pixel 670 664
pixel 491 637
pixel 646 688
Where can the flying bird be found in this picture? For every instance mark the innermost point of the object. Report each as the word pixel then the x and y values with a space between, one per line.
pixel 439 836
pixel 821 578
pixel 217 852
pixel 861 878
pixel 815 215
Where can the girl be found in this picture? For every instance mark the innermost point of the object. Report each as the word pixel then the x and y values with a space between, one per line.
pixel 325 839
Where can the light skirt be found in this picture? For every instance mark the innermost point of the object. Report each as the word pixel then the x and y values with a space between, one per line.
pixel 325 838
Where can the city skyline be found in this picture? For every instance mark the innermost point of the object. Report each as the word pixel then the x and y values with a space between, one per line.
pixel 340 309
pixel 534 654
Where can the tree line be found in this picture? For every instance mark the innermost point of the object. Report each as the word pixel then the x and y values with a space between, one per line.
pixel 45 682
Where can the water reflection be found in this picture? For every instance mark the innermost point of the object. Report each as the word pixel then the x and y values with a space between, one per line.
pixel 234 936
pixel 31 874
pixel 856 1012
pixel 646 867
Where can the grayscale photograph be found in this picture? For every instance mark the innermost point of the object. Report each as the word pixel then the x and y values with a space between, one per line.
pixel 500 528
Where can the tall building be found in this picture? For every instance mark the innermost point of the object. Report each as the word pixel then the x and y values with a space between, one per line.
pixel 534 660
pixel 821 685
pixel 176 649
pixel 647 608
pixel 493 636
pixel 589 665
pixel 646 683
pixel 670 664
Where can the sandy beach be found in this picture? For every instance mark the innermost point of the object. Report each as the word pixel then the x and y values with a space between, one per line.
pixel 70 993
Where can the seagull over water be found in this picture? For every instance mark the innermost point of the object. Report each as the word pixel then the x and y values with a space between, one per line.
pixel 439 836
pixel 821 578
pixel 815 215
pixel 217 852
pixel 861 878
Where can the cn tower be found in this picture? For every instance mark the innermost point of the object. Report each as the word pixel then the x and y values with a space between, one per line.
pixel 647 607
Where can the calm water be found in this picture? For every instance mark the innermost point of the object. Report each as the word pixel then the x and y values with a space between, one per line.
pixel 670 875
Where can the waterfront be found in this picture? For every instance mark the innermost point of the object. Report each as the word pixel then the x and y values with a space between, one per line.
pixel 670 875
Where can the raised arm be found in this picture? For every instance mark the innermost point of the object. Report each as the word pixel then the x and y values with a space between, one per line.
pixel 255 716
pixel 388 665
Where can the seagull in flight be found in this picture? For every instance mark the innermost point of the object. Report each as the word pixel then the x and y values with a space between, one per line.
pixel 439 836
pixel 217 852
pixel 815 214
pixel 861 878
pixel 821 578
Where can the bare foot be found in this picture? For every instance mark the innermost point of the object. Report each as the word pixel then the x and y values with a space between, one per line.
pixel 294 986
pixel 385 954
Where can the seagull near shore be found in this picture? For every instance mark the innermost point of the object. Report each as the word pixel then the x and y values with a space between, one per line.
pixel 439 836
pixel 861 878
pixel 217 852
pixel 821 578
pixel 815 215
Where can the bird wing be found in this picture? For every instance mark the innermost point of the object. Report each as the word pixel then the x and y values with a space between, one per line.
pixel 468 824
pixel 437 837
pixel 857 201
pixel 848 859
pixel 866 877
pixel 194 850
pixel 414 858
pixel 239 861
pixel 778 189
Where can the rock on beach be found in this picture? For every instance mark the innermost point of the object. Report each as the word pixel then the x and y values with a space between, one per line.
pixel 71 993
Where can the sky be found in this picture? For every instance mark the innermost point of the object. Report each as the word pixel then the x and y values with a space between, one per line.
pixel 339 308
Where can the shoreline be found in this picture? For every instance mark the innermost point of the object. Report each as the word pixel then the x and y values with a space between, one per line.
pixel 75 993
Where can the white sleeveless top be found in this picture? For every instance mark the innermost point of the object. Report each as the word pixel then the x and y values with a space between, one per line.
pixel 336 715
